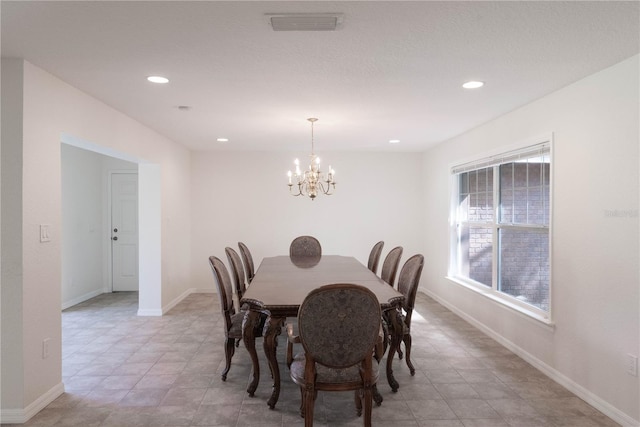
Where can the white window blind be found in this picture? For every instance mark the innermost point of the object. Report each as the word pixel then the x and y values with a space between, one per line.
pixel 539 150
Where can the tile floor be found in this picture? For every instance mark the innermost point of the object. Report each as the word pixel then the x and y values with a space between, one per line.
pixel 124 370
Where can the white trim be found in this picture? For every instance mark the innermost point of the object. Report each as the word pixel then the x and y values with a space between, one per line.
pixel 175 302
pixel 504 300
pixel 20 416
pixel 203 291
pixel 83 298
pixel 592 399
pixel 149 312
pixel 107 151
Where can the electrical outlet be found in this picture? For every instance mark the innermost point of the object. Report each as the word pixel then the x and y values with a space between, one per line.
pixel 632 365
pixel 45 347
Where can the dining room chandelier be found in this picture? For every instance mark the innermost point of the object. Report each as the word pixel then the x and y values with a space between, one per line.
pixel 312 181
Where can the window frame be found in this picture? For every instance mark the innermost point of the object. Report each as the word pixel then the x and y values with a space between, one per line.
pixel 493 159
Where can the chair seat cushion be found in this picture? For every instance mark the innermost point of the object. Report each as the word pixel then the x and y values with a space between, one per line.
pixel 236 325
pixel 326 377
pixel 386 325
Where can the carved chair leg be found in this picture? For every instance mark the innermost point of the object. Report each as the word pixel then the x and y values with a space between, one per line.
pixel 229 349
pixel 358 400
pixel 309 403
pixel 407 345
pixel 368 404
pixel 377 397
pixel 289 354
pixel 302 402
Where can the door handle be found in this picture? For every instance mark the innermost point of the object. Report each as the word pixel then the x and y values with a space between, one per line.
pixel 114 238
pixel 115 230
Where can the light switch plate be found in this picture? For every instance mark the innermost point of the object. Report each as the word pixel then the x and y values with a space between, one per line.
pixel 44 233
pixel 632 365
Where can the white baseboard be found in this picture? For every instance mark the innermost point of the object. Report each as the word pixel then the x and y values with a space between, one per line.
pixel 82 298
pixel 204 291
pixel 21 416
pixel 603 406
pixel 184 295
pixel 176 301
pixel 150 312
pixel 166 308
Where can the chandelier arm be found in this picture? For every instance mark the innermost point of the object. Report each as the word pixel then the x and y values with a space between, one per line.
pixel 291 190
pixel 325 190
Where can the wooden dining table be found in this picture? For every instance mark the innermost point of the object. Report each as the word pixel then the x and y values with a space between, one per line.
pixel 279 287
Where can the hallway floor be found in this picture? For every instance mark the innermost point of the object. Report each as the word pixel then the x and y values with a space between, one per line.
pixel 123 370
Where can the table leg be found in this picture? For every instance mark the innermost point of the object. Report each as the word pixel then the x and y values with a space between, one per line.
pixel 249 324
pixel 273 328
pixel 394 320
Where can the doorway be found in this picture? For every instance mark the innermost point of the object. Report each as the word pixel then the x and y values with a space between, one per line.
pixel 86 240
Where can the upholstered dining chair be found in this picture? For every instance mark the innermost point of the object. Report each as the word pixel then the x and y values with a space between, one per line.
pixel 305 246
pixel 247 260
pixel 390 265
pixel 408 281
pixel 338 327
pixel 374 257
pixel 237 271
pixel 232 319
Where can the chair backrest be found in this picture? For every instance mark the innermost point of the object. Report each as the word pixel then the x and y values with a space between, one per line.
pixel 247 259
pixel 374 256
pixel 305 246
pixel 390 265
pixel 223 284
pixel 237 271
pixel 339 324
pixel 408 283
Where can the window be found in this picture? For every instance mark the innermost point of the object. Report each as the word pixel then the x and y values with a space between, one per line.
pixel 500 226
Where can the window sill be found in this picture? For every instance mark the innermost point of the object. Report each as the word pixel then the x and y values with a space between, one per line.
pixel 529 314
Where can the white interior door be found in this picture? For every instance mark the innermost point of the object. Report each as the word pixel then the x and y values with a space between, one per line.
pixel 124 231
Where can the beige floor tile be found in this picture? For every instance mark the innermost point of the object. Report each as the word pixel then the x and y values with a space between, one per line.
pixel 124 370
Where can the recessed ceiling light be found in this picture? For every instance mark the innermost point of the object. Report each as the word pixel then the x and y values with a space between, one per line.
pixel 158 79
pixel 394 141
pixel 473 85
pixel 222 139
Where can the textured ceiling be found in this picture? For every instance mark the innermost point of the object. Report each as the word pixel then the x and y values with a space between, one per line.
pixel 393 70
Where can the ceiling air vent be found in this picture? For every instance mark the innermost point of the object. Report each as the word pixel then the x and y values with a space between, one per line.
pixel 305 21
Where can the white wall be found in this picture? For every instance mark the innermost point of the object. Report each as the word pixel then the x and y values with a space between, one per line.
pixel 82 217
pixel 238 196
pixel 595 257
pixel 11 339
pixel 52 107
